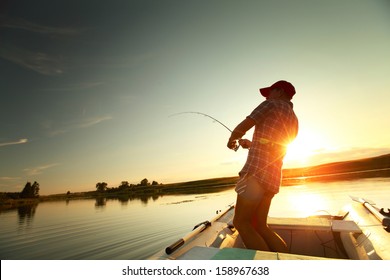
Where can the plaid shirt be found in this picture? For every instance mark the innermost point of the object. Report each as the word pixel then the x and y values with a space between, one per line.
pixel 276 125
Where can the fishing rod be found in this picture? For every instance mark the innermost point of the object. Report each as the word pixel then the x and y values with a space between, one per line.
pixel 208 116
pixel 203 114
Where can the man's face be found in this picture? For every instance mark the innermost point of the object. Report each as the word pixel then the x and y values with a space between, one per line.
pixel 275 93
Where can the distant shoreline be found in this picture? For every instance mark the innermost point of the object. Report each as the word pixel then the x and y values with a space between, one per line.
pixel 354 175
pixel 192 187
pixel 349 170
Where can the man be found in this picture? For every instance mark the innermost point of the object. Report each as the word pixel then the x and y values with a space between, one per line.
pixel 276 125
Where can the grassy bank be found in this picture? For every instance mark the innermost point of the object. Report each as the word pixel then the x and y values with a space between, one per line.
pixel 15 203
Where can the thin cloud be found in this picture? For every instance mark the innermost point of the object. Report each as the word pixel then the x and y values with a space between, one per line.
pixel 39 169
pixel 58 129
pixel 10 182
pixel 20 23
pixel 21 141
pixel 39 62
pixel 93 121
pixel 5 178
pixel 74 87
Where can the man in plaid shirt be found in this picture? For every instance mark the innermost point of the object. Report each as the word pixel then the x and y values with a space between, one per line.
pixel 276 125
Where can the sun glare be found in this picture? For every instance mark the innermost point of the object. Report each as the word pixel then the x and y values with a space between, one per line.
pixel 308 204
pixel 304 147
pixel 297 152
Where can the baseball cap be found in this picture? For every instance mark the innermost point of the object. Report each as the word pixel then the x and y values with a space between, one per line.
pixel 286 86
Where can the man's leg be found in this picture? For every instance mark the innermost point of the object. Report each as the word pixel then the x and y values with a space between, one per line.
pixel 274 241
pixel 244 212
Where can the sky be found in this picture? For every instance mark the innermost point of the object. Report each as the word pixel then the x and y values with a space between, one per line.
pixel 88 88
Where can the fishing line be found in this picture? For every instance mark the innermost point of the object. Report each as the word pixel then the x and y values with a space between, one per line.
pixel 203 114
pixel 208 116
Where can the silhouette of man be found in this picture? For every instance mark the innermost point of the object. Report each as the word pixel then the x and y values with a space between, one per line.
pixel 276 125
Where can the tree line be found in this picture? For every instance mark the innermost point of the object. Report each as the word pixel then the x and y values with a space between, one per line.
pixel 29 191
pixel 124 186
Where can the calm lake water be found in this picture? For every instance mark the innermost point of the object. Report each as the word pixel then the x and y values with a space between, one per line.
pixel 120 230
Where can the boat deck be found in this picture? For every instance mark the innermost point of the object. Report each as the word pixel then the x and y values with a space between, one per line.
pixel 356 234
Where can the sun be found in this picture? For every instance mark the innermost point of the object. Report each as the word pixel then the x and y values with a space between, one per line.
pixel 298 152
pixel 305 146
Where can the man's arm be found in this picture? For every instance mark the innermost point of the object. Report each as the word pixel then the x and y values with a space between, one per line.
pixel 240 131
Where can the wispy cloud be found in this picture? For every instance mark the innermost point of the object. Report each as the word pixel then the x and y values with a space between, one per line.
pixel 21 141
pixel 39 62
pixel 20 23
pixel 92 121
pixel 74 87
pixel 39 169
pixel 55 129
pixel 10 184
pixel 5 178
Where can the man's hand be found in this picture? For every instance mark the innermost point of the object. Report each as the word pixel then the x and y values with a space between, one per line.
pixel 238 132
pixel 245 143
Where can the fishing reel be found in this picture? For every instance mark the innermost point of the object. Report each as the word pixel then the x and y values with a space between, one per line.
pixel 236 145
pixel 244 143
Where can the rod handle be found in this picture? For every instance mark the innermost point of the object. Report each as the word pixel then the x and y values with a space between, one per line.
pixel 173 247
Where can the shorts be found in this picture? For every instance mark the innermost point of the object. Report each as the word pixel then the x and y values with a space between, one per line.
pixel 250 188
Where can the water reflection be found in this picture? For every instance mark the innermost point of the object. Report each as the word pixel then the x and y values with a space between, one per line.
pixel 100 202
pixel 142 227
pixel 124 200
pixel 26 213
pixel 307 204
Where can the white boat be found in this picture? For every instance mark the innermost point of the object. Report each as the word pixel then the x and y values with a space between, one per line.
pixel 360 232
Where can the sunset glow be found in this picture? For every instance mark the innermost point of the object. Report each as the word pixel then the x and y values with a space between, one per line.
pixel 306 204
pixel 87 100
pixel 305 146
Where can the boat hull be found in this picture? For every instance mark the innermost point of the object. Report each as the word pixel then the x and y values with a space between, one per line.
pixel 356 234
